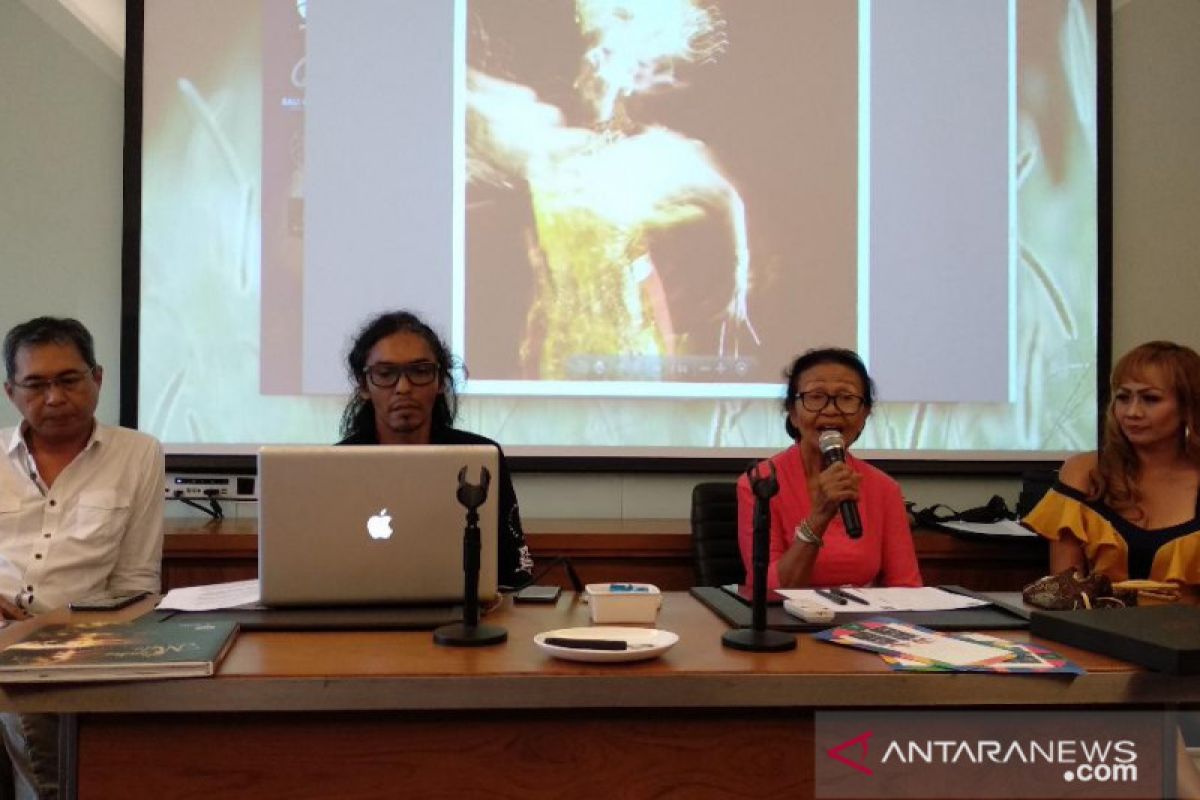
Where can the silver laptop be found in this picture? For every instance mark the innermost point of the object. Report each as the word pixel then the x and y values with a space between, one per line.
pixel 370 525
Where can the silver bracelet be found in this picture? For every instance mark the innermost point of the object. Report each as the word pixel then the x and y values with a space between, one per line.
pixel 804 533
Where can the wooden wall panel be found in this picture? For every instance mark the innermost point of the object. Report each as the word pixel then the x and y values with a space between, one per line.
pixel 199 554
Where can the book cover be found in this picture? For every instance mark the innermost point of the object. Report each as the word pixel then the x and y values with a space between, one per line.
pixel 99 651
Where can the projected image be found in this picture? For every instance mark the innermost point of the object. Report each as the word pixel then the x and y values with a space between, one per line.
pixel 596 191
pixel 651 201
pixel 627 217
pixel 630 234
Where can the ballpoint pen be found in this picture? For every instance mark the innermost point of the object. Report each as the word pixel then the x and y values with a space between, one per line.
pixel 832 596
pixel 594 644
pixel 851 596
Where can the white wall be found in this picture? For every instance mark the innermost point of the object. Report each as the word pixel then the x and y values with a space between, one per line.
pixel 60 188
pixel 1156 84
pixel 60 220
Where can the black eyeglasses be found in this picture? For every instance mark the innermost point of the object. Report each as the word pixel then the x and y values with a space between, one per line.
pixel 385 375
pixel 817 401
pixel 67 381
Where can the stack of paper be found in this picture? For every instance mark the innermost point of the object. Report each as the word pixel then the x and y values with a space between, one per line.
pixel 212 597
pixel 855 600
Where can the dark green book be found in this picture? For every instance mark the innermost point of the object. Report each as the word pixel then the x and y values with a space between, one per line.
pixel 118 651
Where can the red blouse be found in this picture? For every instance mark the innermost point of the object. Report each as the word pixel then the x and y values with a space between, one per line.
pixel 882 556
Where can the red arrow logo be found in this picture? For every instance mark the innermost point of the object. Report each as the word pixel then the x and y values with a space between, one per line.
pixel 835 753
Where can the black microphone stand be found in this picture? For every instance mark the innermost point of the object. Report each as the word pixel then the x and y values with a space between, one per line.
pixel 758 637
pixel 469 633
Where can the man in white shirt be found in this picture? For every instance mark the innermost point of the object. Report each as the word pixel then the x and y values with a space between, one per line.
pixel 81 506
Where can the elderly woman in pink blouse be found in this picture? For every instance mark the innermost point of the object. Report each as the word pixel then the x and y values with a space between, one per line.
pixel 829 390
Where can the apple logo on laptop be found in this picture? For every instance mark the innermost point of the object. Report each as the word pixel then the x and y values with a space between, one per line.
pixel 380 525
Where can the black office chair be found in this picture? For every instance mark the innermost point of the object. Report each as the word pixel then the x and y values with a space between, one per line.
pixel 715 555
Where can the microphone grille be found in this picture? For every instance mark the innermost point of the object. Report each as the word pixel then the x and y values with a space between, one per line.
pixel 831 440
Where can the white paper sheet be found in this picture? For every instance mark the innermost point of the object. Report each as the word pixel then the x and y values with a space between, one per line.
pixel 1002 529
pixel 212 597
pixel 925 598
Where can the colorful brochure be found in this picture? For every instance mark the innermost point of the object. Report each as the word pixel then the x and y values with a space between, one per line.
pixel 1028 659
pixel 892 637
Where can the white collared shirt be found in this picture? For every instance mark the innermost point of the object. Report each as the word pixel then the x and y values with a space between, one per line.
pixel 97 530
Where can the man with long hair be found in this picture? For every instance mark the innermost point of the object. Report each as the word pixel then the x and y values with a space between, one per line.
pixel 404 393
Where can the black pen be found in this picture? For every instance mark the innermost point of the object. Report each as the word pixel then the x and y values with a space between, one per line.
pixel 832 596
pixel 851 596
pixel 587 644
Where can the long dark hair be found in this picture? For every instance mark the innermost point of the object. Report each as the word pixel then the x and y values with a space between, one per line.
pixel 358 417
pixel 1117 467
pixel 823 355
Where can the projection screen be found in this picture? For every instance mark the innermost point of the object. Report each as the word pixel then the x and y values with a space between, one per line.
pixel 626 217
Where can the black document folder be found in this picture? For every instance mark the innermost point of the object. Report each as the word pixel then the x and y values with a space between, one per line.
pixel 735 610
pixel 1163 638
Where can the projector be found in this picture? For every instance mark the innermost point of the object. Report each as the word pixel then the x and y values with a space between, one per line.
pixel 203 487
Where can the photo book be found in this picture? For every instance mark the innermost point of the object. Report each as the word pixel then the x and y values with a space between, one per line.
pixel 98 651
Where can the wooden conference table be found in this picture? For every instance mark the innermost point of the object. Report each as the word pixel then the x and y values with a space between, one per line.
pixel 370 714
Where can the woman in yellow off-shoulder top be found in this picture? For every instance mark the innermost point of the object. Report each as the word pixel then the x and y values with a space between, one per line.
pixel 1132 509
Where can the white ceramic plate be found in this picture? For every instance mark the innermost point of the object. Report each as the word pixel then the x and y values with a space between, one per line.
pixel 642 643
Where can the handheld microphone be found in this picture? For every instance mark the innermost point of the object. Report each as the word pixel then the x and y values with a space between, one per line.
pixel 833 451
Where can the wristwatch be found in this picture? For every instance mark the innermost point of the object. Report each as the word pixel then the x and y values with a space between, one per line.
pixel 804 533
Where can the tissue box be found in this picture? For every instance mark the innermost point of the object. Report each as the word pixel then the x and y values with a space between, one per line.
pixel 624 602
